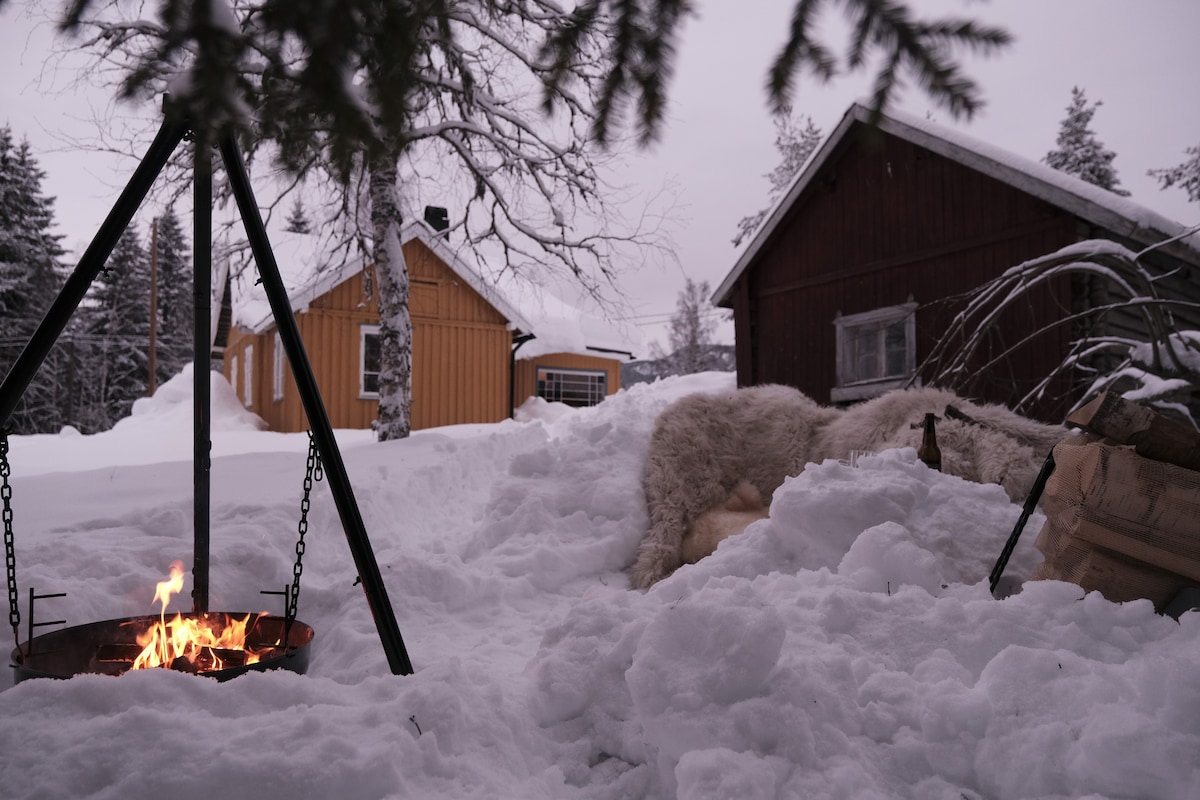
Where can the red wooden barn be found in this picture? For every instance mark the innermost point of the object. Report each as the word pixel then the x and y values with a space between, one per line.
pixel 859 269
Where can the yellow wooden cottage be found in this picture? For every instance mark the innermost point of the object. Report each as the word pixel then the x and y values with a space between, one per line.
pixel 471 363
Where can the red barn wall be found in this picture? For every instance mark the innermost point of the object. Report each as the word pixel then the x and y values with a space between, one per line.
pixel 883 221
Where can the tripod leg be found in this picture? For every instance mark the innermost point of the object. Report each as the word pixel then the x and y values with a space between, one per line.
pixel 23 370
pixel 201 377
pixel 314 408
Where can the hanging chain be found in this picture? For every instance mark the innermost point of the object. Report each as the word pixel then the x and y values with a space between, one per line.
pixel 10 554
pixel 314 472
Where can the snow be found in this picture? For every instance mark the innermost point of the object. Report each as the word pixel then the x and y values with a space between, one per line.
pixel 846 647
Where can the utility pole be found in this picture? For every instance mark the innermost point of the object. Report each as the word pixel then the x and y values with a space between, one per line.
pixel 152 358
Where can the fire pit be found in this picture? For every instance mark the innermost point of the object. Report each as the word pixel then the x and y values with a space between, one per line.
pixel 214 644
pixel 112 647
pixel 117 646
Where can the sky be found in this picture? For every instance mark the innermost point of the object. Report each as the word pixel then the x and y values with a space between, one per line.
pixel 845 647
pixel 709 166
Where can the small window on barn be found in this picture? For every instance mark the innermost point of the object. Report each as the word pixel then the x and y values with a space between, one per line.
pixel 876 351
pixel 233 374
pixel 575 387
pixel 248 376
pixel 368 361
pixel 277 371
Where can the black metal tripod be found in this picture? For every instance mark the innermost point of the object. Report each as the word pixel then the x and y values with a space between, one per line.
pixel 174 130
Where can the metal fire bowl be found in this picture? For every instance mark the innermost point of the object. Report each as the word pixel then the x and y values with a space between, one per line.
pixel 95 648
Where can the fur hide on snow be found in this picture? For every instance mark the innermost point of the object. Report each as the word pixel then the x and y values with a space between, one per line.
pixel 744 506
pixel 704 447
pixel 995 446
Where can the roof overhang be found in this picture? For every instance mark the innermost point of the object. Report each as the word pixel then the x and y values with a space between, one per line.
pixel 420 230
pixel 1116 215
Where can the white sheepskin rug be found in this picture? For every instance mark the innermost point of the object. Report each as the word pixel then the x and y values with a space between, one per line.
pixel 715 460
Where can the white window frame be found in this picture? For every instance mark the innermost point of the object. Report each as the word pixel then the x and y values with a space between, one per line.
pixel 849 386
pixel 589 387
pixel 364 331
pixel 277 370
pixel 248 376
pixel 233 374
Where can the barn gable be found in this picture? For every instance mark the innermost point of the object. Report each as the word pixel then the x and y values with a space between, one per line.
pixel 863 263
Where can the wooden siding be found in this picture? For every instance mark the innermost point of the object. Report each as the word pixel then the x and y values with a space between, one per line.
pixel 460 373
pixel 525 371
pixel 461 352
pixel 886 221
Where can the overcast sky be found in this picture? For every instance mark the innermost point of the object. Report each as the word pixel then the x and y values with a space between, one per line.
pixel 1140 59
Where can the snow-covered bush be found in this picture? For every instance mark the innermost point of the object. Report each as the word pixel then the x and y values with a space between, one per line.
pixel 1161 370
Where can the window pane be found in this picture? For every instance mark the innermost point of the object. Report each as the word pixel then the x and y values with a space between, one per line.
pixel 248 376
pixel 864 352
pixel 370 363
pixel 575 388
pixel 371 353
pixel 896 349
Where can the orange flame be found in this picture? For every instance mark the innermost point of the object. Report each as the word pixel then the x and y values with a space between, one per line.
pixel 195 641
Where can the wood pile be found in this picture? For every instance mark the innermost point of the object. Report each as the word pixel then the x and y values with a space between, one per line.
pixel 1123 505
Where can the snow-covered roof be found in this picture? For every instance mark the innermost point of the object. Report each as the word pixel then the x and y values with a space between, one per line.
pixel 298 258
pixel 556 326
pixel 1118 215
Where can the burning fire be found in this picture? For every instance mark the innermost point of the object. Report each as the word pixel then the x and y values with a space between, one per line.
pixel 192 645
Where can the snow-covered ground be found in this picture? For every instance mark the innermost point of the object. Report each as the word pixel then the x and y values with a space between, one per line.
pixel 847 647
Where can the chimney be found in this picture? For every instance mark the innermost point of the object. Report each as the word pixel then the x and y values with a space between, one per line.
pixel 438 218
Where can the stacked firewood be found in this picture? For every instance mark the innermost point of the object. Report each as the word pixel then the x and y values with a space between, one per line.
pixel 1123 505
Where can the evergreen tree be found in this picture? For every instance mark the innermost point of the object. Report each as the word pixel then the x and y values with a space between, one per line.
pixel 1186 175
pixel 795 145
pixel 691 330
pixel 297 221
pixel 176 304
pixel 30 276
pixel 115 369
pixel 1079 152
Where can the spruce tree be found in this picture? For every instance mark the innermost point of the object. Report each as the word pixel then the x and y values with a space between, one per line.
pixel 1079 152
pixel 1186 175
pixel 297 221
pixel 115 370
pixel 30 276
pixel 176 304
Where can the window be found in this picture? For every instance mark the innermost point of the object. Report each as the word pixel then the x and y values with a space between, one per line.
pixel 247 377
pixel 876 351
pixel 368 361
pixel 277 371
pixel 233 373
pixel 575 387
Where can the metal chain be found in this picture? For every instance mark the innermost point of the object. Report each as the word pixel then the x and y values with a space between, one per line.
pixel 10 555
pixel 313 472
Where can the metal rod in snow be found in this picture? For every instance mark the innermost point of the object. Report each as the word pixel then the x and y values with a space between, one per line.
pixel 314 408
pixel 201 376
pixel 25 368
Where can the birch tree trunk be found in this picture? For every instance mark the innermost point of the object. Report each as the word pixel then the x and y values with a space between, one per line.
pixel 395 324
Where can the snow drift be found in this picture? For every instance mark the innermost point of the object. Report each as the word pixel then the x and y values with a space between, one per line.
pixel 845 647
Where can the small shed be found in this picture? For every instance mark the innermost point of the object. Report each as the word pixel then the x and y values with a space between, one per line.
pixel 466 364
pixel 860 268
